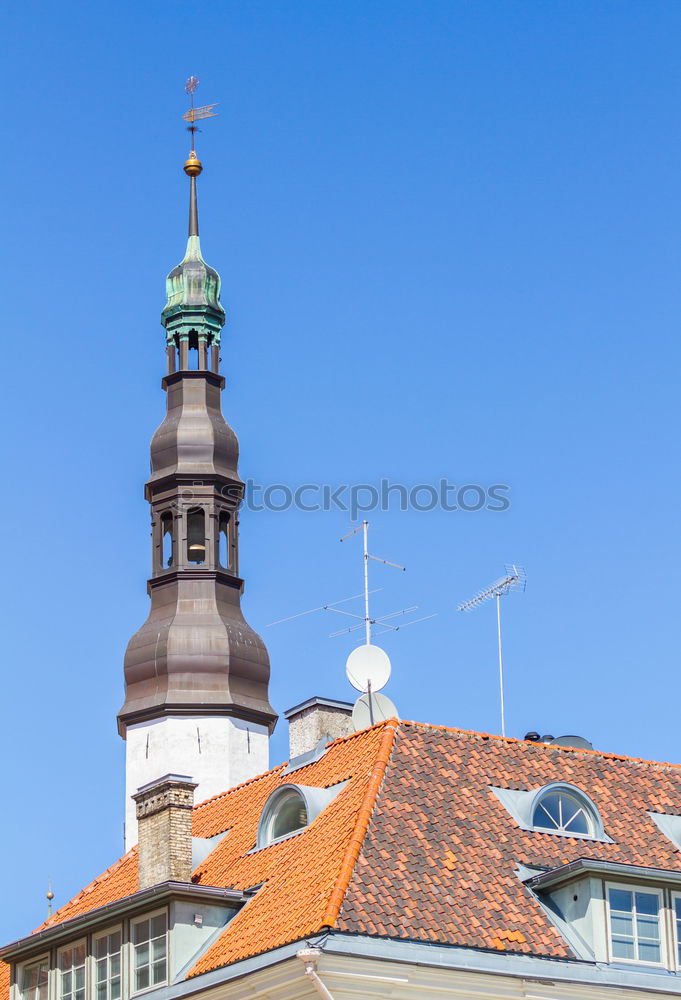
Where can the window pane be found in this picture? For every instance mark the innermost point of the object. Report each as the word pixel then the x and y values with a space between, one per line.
pixel 66 984
pixel 578 822
pixel 158 925
pixel 158 949
pixel 622 926
pixel 101 991
pixel 115 941
pixel 648 952
pixel 647 902
pixel 142 978
pixel 116 965
pixel 140 932
pixel 622 948
pixel 159 972
pixel 621 899
pixel 115 988
pixel 648 927
pixel 141 955
pixel 79 955
pixel 100 947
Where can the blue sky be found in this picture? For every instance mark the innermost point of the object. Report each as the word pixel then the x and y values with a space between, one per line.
pixel 449 238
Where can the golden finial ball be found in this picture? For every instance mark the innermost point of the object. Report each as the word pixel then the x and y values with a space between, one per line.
pixel 193 165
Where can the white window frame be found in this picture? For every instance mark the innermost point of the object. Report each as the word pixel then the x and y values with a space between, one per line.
pixel 131 976
pixel 40 960
pixel 676 938
pixel 106 932
pixel 661 920
pixel 60 951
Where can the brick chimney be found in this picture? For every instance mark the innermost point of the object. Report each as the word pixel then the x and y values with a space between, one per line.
pixel 164 820
pixel 314 719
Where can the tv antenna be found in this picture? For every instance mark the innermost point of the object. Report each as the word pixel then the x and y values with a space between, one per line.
pixel 514 579
pixel 368 666
pixel 194 114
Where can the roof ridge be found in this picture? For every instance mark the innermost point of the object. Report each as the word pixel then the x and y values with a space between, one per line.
pixel 273 770
pixel 361 823
pixel 551 746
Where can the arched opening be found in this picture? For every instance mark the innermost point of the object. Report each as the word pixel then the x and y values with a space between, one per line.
pixel 196 535
pixel 167 545
pixel 193 351
pixel 224 555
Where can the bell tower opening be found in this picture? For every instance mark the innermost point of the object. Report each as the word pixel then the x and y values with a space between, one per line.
pixel 196 535
pixel 224 554
pixel 167 540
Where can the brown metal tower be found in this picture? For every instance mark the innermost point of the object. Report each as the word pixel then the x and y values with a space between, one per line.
pixel 196 674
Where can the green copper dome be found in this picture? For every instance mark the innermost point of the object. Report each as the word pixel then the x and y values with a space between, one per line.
pixel 193 289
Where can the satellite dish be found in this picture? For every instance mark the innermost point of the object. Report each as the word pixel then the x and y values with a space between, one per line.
pixel 366 713
pixel 368 667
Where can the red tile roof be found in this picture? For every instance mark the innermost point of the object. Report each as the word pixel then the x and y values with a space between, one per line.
pixel 415 845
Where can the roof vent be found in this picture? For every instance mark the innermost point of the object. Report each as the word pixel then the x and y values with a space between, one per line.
pixel 574 742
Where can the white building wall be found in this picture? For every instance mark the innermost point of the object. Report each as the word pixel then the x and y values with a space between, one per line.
pixel 215 751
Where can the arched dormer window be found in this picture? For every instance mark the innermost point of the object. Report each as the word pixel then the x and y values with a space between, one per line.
pixel 290 809
pixel 565 810
pixel 284 814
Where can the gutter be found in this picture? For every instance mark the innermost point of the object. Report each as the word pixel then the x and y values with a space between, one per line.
pixel 585 866
pixel 139 900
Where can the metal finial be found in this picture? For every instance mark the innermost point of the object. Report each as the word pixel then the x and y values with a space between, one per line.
pixel 193 165
pixel 49 896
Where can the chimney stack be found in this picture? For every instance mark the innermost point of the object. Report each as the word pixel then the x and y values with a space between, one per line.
pixel 315 719
pixel 164 820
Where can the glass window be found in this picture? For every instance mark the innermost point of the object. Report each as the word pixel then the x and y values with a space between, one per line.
pixel 635 925
pixel 288 814
pixel 34 980
pixel 150 952
pixel 677 927
pixel 562 812
pixel 72 972
pixel 107 955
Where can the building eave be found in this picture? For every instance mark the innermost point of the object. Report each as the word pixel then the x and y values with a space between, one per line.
pixel 606 869
pixel 136 902
pixel 384 962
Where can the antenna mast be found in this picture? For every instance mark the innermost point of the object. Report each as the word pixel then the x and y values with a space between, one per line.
pixel 515 579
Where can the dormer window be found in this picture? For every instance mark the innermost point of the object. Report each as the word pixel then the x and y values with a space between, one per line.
pixel 290 809
pixel 635 924
pixel 284 815
pixel 34 980
pixel 561 811
pixel 558 809
pixel 150 952
pixel 72 972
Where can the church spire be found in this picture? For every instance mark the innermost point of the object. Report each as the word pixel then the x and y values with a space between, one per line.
pixel 196 674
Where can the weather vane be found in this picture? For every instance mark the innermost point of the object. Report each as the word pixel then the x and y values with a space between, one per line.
pixel 193 115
